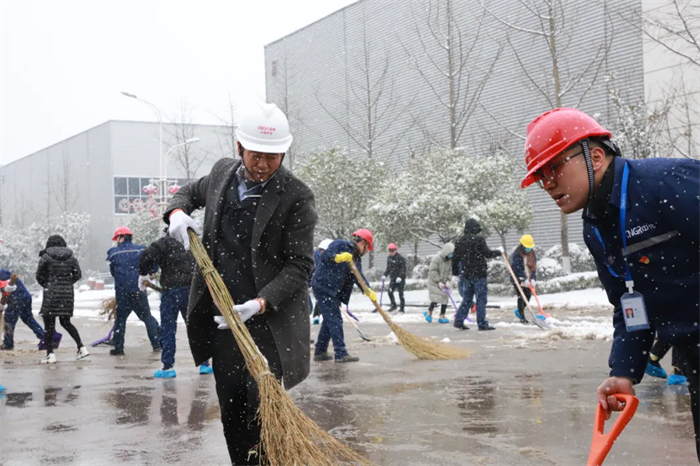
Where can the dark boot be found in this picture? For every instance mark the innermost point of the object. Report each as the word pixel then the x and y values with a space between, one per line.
pixel 347 358
pixel 322 357
pixel 461 326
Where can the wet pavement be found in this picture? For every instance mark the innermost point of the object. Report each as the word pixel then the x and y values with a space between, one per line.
pixel 515 401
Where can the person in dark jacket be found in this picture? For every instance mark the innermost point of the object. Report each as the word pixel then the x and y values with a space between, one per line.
pixel 124 267
pixel 316 309
pixel 19 306
pixel 58 271
pixel 523 261
pixel 642 226
pixel 332 285
pixel 258 230
pixel 176 269
pixel 471 252
pixel 654 369
pixel 396 271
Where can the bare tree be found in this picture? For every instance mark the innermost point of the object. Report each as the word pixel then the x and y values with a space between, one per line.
pixel 189 157
pixel 459 63
pixel 371 108
pixel 63 186
pixel 676 27
pixel 284 75
pixel 549 22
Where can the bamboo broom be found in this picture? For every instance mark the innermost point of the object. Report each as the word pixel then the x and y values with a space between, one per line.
pixel 288 437
pixel 4 299
pixel 108 308
pixel 420 347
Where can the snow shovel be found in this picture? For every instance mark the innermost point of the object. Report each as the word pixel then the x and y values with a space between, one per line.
pixel 447 290
pixel 352 320
pixel 381 294
pixel 542 314
pixel 104 340
pixel 602 443
pixel 540 323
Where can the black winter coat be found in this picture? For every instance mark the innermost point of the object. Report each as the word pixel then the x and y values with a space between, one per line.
pixel 281 256
pixel 395 268
pixel 471 251
pixel 176 264
pixel 57 272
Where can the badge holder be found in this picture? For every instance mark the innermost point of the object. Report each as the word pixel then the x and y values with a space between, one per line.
pixel 602 443
pixel 633 309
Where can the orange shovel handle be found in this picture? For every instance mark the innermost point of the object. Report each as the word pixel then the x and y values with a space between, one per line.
pixel 602 443
pixel 532 288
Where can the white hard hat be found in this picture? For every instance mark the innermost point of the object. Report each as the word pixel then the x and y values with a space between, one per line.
pixel 325 243
pixel 264 129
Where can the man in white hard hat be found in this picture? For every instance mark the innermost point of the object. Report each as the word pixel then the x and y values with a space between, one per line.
pixel 258 230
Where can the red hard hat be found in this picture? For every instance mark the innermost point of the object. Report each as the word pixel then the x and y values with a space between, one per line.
pixel 121 231
pixel 553 132
pixel 392 246
pixel 4 283
pixel 366 235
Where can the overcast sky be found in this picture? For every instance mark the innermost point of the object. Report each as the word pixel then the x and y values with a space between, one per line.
pixel 63 64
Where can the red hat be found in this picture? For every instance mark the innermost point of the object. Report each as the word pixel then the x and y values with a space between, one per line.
pixel 366 235
pixel 392 246
pixel 3 283
pixel 121 231
pixel 553 132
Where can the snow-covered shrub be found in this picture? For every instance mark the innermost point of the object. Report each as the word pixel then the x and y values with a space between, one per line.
pixel 373 274
pixel 549 268
pixel 581 259
pixel 145 227
pixel 420 271
pixel 19 250
pixel 498 272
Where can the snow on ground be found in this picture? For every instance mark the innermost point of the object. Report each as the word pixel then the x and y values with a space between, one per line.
pixel 563 325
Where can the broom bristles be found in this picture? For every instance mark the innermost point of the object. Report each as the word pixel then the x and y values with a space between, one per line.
pixel 420 347
pixel 287 435
pixel 108 308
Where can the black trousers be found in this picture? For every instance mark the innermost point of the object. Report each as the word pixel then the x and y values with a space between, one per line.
pixel 238 391
pixel 443 308
pixel 393 286
pixel 660 349
pixel 50 327
pixel 689 360
pixel 522 304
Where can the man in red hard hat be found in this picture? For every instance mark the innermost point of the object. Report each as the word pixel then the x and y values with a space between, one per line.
pixel 124 266
pixel 396 271
pixel 332 285
pixel 642 226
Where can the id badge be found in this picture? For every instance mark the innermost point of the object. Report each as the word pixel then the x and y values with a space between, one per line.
pixel 634 311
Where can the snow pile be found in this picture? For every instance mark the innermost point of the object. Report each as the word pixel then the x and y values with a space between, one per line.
pixel 574 328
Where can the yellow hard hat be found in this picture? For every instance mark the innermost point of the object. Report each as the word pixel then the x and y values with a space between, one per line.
pixel 527 241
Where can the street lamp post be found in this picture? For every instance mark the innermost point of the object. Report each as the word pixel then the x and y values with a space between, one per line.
pixel 159 114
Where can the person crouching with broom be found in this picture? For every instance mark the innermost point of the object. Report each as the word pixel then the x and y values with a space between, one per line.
pixel 332 285
pixel 258 230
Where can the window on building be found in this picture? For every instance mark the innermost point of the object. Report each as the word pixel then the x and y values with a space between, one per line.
pixel 129 195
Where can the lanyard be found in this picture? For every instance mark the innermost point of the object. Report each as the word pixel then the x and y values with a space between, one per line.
pixel 623 215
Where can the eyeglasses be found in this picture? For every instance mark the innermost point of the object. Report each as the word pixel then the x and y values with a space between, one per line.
pixel 550 172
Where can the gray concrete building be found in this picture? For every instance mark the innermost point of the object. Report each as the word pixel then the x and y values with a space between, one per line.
pixel 103 172
pixel 395 54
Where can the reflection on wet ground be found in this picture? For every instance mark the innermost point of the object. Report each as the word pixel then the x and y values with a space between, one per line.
pixel 499 407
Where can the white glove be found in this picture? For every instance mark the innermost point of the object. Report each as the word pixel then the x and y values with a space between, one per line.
pixel 532 283
pixel 500 249
pixel 179 223
pixel 221 322
pixel 526 283
pixel 245 311
pixel 383 277
pixel 398 280
pixel 9 288
pixel 443 285
pixel 142 282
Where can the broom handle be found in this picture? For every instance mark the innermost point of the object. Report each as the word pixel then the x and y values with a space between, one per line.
pixel 6 297
pixel 362 283
pixel 517 283
pixel 153 287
